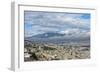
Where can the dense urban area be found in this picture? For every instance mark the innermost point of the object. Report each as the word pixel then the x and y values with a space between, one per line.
pixel 50 51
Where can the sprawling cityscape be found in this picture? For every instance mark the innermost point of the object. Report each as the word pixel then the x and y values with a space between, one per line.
pixel 43 52
pixel 52 36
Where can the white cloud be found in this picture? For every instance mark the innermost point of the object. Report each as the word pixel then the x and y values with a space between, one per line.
pixel 76 32
pixel 68 23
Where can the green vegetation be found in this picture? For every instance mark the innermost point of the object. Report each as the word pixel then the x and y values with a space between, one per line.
pixel 48 48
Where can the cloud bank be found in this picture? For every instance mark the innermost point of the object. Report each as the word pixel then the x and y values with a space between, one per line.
pixel 77 24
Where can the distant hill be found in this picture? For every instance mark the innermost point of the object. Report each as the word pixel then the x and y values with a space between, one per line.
pixel 48 35
pixel 52 37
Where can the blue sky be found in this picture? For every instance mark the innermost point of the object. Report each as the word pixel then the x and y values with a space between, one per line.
pixel 36 22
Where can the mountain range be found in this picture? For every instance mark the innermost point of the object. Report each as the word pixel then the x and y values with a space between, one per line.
pixel 56 37
pixel 49 35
